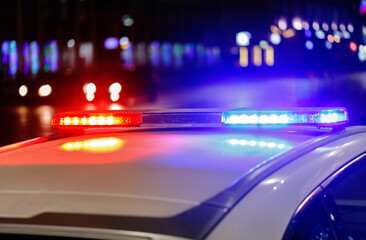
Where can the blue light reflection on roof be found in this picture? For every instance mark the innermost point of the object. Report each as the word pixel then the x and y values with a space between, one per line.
pixel 257 146
pixel 325 149
pixel 227 152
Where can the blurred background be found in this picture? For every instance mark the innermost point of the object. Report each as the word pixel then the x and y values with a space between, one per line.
pixel 67 55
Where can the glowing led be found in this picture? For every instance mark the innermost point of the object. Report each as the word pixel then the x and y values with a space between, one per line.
pixel 92 121
pixel 101 120
pixel 23 90
pixel 110 120
pixel 253 118
pixel 67 121
pixel 316 26
pixel 84 121
pixel 273 118
pixel 75 121
pixel 44 90
pixel 328 118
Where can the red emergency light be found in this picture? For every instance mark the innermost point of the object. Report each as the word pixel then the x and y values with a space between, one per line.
pixel 96 119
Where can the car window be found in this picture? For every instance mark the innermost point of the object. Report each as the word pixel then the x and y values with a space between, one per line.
pixel 311 223
pixel 349 197
pixel 338 212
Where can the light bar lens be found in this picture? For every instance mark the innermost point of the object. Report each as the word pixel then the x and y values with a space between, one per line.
pixel 321 117
pixel 90 119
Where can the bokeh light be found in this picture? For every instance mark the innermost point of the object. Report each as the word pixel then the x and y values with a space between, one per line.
pixel 297 23
pixel 71 43
pixel 353 46
pixel 111 43
pixel 328 45
pixel 263 44
pixel 309 45
pixel 243 38
pixel 23 90
pixel 275 38
pixel 282 24
pixel 44 90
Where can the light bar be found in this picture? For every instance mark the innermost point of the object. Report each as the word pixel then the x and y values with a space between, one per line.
pixel 304 116
pixel 96 119
pixel 320 117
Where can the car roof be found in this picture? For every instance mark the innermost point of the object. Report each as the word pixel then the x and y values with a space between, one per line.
pixel 282 194
pixel 141 174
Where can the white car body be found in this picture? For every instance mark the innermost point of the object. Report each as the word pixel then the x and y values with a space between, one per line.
pixel 162 182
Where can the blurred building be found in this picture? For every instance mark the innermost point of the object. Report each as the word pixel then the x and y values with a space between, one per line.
pixel 68 43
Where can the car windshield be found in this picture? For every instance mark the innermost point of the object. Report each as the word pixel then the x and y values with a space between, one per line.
pixel 68 55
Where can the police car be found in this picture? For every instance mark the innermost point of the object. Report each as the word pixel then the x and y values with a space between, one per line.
pixel 188 174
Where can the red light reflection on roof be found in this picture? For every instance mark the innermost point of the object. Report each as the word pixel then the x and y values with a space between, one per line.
pixel 96 145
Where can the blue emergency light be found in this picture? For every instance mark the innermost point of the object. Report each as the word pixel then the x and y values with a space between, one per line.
pixel 302 116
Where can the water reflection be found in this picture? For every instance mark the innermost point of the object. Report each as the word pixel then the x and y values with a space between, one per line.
pixel 44 114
